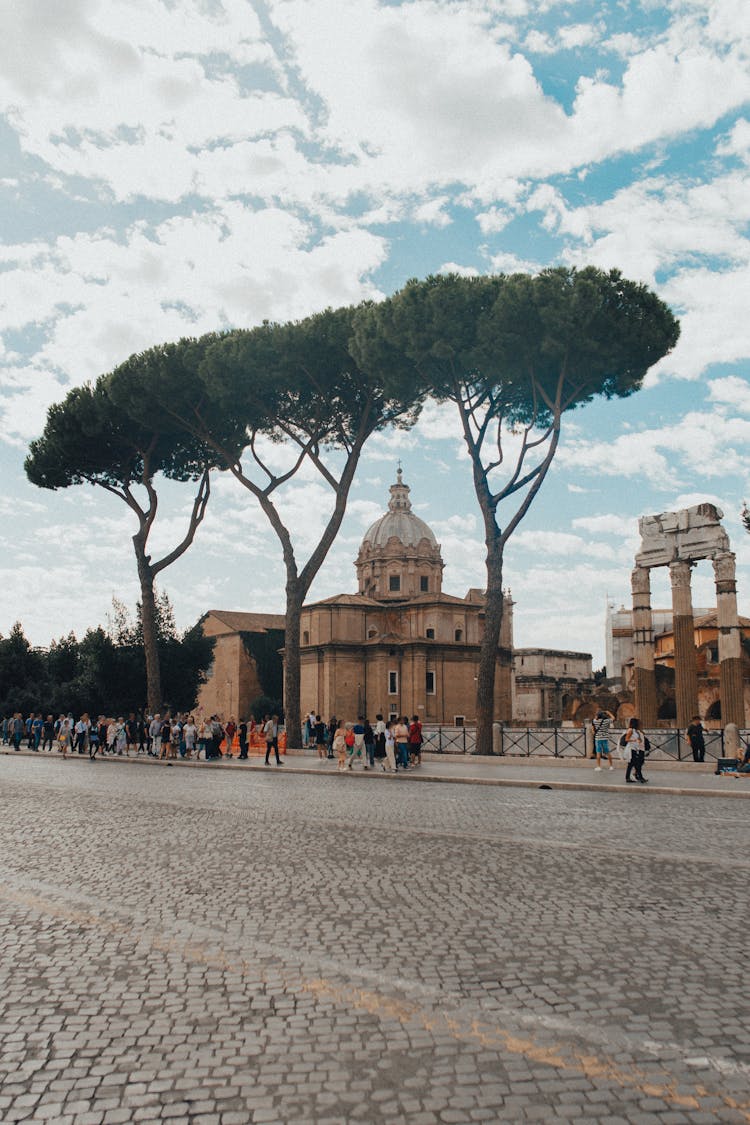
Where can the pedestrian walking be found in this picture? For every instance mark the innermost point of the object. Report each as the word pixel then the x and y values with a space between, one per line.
pixel 415 741
pixel 635 741
pixel 601 726
pixel 271 732
pixel 333 724
pixel 93 740
pixel 390 747
pixel 358 748
pixel 695 736
pixel 242 733
pixel 154 733
pixel 369 745
pixel 339 746
pixel 401 734
pixel 48 733
pixel 319 734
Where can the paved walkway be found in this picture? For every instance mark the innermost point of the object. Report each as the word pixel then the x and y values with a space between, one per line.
pixel 234 946
pixel 679 778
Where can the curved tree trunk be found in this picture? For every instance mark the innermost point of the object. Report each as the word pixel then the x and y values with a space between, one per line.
pixel 149 628
pixel 493 619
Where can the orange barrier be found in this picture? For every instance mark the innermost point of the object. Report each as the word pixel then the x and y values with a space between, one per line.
pixel 256 743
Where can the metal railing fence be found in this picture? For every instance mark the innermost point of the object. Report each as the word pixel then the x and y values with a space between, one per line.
pixel 667 744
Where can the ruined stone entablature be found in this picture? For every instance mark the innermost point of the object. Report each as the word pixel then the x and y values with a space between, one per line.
pixel 686 536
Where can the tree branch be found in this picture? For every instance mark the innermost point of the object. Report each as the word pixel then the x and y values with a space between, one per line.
pixel 196 517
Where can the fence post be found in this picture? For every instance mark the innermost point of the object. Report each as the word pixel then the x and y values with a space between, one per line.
pixel 463 732
pixel 555 733
pixel 679 745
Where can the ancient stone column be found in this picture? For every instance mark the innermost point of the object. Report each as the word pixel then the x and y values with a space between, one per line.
pixel 683 625
pixel 644 680
pixel 730 643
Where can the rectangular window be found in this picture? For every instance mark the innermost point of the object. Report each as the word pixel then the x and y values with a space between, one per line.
pixel 393 683
pixel 394 583
pixel 430 634
pixel 458 720
pixel 430 683
pixel 424 583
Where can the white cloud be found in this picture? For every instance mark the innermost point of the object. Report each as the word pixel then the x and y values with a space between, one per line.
pixel 713 443
pixel 732 390
pixel 551 543
pixel 227 267
pixel 610 524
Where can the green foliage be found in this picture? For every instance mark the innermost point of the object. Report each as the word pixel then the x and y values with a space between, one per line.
pixel 100 673
pixel 127 631
pixel 264 648
pixel 513 339
pixel 302 379
pixel 21 669
pixel 265 705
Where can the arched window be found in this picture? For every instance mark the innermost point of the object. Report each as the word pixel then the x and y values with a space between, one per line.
pixel 371 632
pixel 305 638
pixel 458 634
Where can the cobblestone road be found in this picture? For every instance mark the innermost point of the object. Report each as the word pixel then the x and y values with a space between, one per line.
pixel 230 947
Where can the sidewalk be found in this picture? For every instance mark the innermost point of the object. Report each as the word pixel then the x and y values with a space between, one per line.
pixel 672 778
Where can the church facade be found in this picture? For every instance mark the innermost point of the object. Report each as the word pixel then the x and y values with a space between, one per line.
pixel 400 645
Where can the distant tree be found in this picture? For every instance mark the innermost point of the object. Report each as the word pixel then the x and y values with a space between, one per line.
pixel 21 672
pixel 265 705
pixel 295 386
pixel 514 353
pixel 101 674
pixel 89 438
pixel 746 517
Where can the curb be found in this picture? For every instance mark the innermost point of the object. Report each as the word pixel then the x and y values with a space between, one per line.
pixel 461 779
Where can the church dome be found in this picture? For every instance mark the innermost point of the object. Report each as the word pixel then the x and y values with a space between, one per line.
pixel 399 522
pixel 399 557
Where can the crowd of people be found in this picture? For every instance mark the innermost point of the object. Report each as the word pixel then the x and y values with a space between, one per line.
pixel 390 745
pixel 158 736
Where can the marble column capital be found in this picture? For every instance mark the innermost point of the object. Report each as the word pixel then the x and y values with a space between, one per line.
pixel 640 581
pixel 679 574
pixel 724 567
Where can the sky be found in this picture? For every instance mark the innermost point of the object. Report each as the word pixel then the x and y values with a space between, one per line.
pixel 173 168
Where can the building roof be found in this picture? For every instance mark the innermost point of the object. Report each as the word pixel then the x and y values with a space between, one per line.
pixel 399 522
pixel 365 602
pixel 710 619
pixel 238 622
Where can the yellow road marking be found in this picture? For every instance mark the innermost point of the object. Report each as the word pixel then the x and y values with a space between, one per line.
pixel 562 1057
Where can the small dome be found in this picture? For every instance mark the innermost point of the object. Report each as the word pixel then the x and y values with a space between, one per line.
pixel 399 522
